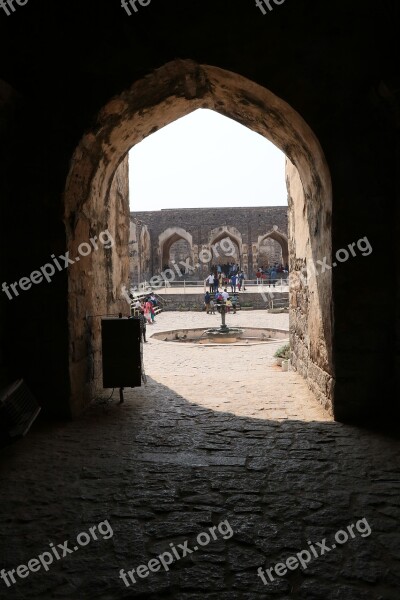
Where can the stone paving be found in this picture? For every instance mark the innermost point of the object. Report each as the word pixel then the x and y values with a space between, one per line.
pixel 219 437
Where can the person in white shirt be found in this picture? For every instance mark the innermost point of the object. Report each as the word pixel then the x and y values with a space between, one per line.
pixel 210 281
pixel 225 295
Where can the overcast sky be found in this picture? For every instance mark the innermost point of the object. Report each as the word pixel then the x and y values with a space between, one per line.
pixel 205 160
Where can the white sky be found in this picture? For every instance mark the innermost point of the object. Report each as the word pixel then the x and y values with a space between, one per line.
pixel 205 160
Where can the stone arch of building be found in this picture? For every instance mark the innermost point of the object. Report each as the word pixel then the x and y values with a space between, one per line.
pixel 226 232
pixel 171 92
pixel 169 237
pixel 218 233
pixel 279 237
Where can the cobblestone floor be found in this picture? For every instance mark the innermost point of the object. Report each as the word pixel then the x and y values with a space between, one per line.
pixel 218 434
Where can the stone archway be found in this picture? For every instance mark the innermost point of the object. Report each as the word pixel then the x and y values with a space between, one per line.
pixel 223 254
pixel 165 95
pixel 282 240
pixel 167 239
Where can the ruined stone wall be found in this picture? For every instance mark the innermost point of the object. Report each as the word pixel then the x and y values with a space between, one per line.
pixel 311 353
pixel 270 252
pixel 134 260
pixel 179 251
pixel 139 252
pixel 246 225
pixel 87 302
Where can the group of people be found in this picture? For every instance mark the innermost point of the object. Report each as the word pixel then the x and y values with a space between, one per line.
pixel 213 301
pixel 146 313
pixel 269 275
pixel 219 279
pixel 229 268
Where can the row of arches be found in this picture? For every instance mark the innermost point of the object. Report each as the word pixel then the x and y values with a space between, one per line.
pixel 224 246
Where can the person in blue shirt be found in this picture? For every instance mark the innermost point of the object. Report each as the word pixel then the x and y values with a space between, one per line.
pixel 216 283
pixel 234 300
pixel 207 299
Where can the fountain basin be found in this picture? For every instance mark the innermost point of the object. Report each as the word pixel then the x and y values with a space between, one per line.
pixel 221 335
pixel 249 336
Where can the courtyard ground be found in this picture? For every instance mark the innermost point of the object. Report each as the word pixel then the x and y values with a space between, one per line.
pixel 219 438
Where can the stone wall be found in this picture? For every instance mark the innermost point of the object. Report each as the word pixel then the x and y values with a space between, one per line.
pixel 179 251
pixel 196 301
pixel 270 252
pixel 88 302
pixel 246 227
pixel 139 251
pixel 310 334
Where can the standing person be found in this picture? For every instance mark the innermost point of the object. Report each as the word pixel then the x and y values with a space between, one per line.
pixel 225 295
pixel 269 276
pixel 152 312
pixel 147 311
pixel 233 283
pixel 241 280
pixel 258 275
pixel 142 324
pixel 234 303
pixel 216 284
pixel 153 300
pixel 273 276
pixel 266 277
pixel 207 299
pixel 210 281
pixel 218 299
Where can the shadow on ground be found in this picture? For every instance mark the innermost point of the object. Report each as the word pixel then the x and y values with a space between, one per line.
pixel 162 470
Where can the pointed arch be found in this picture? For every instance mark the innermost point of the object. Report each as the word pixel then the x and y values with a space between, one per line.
pixel 281 238
pixel 167 238
pixel 165 95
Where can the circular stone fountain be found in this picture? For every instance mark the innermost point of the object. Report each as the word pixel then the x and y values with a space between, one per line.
pixel 246 336
pixel 223 334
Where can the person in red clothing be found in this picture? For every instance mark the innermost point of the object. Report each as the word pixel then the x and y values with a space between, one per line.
pixel 148 307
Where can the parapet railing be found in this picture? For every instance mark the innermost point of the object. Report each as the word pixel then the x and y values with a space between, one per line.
pixel 279 282
pixel 161 302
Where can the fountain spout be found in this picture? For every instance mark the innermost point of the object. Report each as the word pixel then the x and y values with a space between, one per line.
pixel 223 334
pixel 224 328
